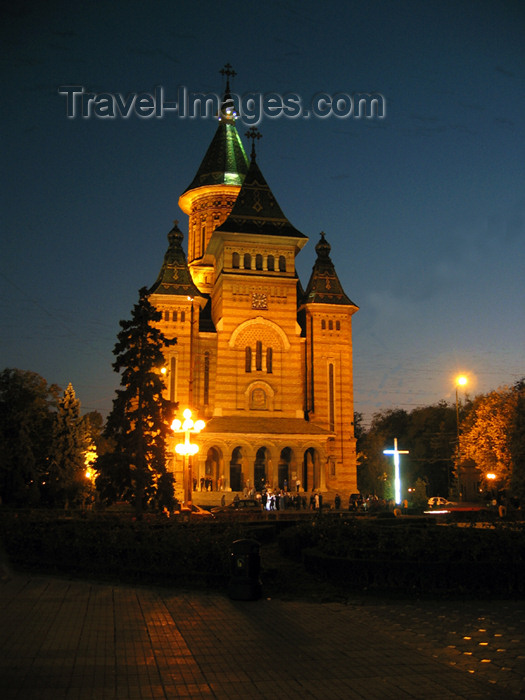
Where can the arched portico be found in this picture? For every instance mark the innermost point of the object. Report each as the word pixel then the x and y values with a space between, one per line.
pixel 213 477
pixel 313 475
pixel 286 467
pixel 261 468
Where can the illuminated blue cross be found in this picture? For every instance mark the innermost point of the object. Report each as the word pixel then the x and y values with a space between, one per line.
pixel 396 454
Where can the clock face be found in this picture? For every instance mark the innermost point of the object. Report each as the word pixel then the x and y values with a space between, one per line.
pixel 259 301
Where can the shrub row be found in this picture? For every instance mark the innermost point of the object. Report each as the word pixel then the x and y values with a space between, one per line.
pixel 411 557
pixel 156 550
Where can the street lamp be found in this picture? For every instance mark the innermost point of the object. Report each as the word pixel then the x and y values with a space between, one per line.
pixel 460 381
pixel 186 449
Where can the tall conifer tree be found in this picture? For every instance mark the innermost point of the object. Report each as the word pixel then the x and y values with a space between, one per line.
pixel 139 422
pixel 66 475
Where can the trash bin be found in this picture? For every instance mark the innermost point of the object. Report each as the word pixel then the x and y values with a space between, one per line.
pixel 245 566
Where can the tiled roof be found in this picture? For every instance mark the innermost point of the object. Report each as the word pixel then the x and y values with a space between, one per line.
pixel 256 210
pixel 174 276
pixel 324 286
pixel 225 162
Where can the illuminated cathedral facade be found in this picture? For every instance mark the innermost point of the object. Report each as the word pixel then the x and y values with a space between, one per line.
pixel 265 362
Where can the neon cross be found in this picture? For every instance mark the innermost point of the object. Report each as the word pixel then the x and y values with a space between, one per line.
pixel 396 454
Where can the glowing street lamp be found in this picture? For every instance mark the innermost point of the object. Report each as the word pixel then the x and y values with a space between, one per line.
pixel 396 454
pixel 460 381
pixel 187 449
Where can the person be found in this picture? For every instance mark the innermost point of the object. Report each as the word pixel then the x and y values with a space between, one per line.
pixel 298 485
pixel 337 501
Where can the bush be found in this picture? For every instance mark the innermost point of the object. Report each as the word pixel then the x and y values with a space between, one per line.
pixel 151 550
pixel 411 557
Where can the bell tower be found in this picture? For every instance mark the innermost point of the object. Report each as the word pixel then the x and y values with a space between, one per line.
pixel 211 195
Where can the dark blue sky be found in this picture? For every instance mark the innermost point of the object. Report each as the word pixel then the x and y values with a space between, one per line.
pixel 424 209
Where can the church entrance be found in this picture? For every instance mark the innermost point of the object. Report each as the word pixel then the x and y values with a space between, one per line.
pixel 236 470
pixel 259 469
pixel 286 461
pixel 311 471
pixel 211 480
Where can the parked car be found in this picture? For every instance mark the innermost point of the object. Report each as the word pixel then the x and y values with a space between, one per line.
pixel 243 506
pixel 194 511
pixel 437 501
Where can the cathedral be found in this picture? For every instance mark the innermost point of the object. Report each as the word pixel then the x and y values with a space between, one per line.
pixel 264 362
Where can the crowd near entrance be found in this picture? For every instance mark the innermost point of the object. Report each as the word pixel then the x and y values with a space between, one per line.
pixel 248 470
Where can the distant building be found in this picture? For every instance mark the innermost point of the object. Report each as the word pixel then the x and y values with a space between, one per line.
pixel 265 363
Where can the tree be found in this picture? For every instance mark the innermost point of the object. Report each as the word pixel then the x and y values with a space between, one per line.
pixel 430 438
pixel 140 418
pixel 27 405
pixel 428 433
pixel 66 480
pixel 517 443
pixel 374 469
pixel 486 432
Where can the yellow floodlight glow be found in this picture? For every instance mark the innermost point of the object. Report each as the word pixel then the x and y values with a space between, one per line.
pixel 187 448
pixel 461 380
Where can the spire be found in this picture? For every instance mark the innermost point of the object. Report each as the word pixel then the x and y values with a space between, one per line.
pixel 253 134
pixel 225 162
pixel 324 286
pixel 174 276
pixel 256 210
pixel 227 110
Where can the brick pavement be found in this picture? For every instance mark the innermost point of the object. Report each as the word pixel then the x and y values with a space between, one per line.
pixel 78 640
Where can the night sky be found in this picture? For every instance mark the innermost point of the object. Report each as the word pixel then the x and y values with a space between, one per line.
pixel 424 209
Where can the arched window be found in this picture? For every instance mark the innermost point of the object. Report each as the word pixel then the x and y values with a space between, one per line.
pixel 247 261
pixel 182 316
pixel 337 325
pixel 330 325
pixel 323 325
pixel 282 263
pixel 271 263
pixel 235 261
pixel 258 356
pixel 248 359
pixel 175 316
pixel 258 262
pixel 269 360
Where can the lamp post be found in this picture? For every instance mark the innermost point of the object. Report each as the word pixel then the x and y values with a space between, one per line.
pixel 186 449
pixel 460 381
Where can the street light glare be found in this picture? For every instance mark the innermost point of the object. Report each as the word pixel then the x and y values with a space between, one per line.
pixel 461 380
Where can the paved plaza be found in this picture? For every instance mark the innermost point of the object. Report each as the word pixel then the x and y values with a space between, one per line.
pixel 72 639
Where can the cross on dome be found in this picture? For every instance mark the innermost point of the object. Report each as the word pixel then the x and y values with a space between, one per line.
pixel 253 134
